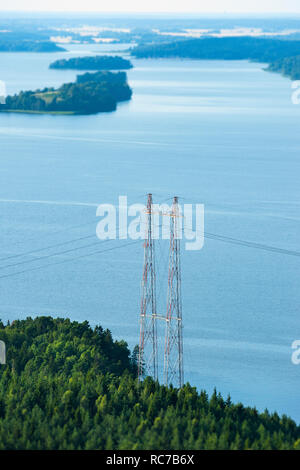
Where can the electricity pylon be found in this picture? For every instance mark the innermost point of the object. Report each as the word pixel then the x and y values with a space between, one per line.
pixel 173 357
pixel 147 358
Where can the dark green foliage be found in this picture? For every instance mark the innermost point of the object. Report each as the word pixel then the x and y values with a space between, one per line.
pixel 262 50
pixel 29 46
pixel 115 83
pixel 99 62
pixel 92 93
pixel 68 386
pixel 289 66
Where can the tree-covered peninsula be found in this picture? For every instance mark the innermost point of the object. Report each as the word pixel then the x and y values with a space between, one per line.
pixel 289 67
pixel 91 93
pixel 99 62
pixel 66 385
pixel 227 48
pixel 17 45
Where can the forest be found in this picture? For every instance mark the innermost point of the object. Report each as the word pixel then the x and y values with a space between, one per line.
pixel 227 48
pixel 90 94
pixel 66 385
pixel 105 62
pixel 115 83
pixel 289 67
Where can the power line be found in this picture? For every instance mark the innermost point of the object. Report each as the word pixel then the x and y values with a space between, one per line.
pixel 72 227
pixel 70 259
pixel 248 244
pixel 213 236
pixel 52 254
pixel 237 241
pixel 206 234
pixel 27 253
pixel 209 235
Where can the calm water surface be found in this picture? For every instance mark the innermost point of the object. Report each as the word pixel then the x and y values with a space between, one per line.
pixel 220 133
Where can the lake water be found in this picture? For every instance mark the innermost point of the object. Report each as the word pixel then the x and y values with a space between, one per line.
pixel 225 134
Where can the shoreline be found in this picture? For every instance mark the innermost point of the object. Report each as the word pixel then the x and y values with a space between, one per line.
pixel 28 111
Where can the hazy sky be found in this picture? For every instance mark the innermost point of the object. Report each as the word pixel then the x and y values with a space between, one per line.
pixel 212 6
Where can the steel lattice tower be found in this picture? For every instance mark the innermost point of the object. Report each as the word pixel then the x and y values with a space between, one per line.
pixel 173 357
pixel 147 358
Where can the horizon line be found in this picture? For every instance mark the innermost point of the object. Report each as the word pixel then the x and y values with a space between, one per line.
pixel 192 12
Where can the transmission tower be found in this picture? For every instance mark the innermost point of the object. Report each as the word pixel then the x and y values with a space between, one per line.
pixel 147 358
pixel 173 357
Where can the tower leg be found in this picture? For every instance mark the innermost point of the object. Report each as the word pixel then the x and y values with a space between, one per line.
pixel 173 356
pixel 147 358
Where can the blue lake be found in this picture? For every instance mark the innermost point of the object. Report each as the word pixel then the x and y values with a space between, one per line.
pixel 225 134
